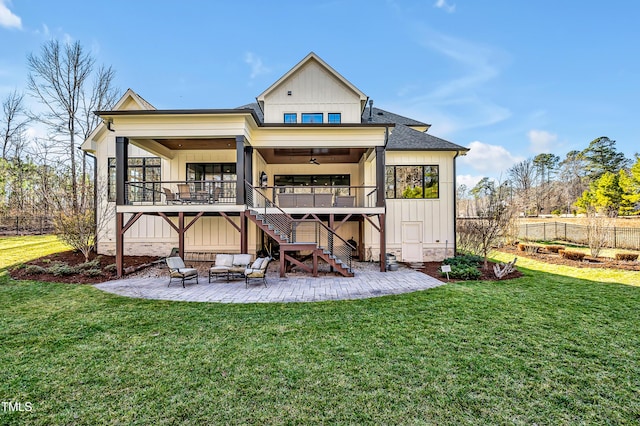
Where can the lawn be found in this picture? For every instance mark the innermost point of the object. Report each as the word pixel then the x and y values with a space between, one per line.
pixel 543 349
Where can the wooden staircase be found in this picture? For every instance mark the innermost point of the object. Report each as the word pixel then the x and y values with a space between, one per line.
pixel 278 226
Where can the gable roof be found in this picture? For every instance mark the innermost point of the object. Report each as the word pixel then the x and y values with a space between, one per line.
pixel 381 116
pixel 309 58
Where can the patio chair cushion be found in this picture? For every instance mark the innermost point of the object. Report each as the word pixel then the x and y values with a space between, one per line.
pixel 224 260
pixel 256 263
pixel 241 260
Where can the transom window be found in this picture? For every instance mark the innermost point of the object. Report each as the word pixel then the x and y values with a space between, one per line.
pixel 141 169
pixel 334 117
pixel 290 117
pixel 411 182
pixel 326 181
pixel 312 117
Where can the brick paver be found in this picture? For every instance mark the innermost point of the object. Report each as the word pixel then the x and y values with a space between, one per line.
pixel 367 283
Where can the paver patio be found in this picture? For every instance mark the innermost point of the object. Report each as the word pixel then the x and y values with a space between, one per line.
pixel 295 288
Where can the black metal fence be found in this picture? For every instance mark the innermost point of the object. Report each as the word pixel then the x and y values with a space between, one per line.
pixel 616 237
pixel 25 225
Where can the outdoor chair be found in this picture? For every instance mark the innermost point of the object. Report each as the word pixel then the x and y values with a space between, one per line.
pixel 170 196
pixel 185 193
pixel 257 270
pixel 178 270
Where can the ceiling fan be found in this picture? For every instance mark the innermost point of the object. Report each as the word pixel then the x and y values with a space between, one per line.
pixel 313 160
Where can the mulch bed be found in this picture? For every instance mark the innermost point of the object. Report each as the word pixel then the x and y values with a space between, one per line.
pixel 71 258
pixel 433 269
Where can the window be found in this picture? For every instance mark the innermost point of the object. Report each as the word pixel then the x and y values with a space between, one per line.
pixel 218 172
pixel 314 117
pixel 334 117
pixel 328 181
pixel 290 117
pixel 141 169
pixel 411 182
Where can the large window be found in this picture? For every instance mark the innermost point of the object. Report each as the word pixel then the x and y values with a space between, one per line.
pixel 411 182
pixel 326 181
pixel 224 173
pixel 315 117
pixel 141 169
pixel 290 117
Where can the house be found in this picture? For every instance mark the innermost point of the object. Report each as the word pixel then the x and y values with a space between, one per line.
pixel 312 167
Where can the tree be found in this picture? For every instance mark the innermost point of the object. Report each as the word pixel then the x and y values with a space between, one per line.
pixel 60 78
pixel 14 123
pixel 601 156
pixel 522 177
pixel 573 177
pixel 480 234
pixel 604 196
pixel 629 181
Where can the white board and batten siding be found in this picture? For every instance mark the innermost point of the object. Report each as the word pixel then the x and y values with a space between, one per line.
pixel 433 216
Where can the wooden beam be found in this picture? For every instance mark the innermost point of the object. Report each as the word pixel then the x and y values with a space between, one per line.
pixel 131 221
pixel 173 225
pixel 342 222
pixel 181 234
pixel 371 222
pixel 198 216
pixel 235 225
pixel 244 244
pixel 298 263
pixel 119 245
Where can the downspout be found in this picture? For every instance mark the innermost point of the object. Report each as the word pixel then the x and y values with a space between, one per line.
pixel 455 207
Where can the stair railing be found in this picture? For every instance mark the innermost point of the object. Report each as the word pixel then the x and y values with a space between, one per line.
pixel 269 212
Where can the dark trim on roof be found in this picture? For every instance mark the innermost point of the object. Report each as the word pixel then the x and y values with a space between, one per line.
pixel 234 111
pixel 323 125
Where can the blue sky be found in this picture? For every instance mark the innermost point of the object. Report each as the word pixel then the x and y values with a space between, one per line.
pixel 509 79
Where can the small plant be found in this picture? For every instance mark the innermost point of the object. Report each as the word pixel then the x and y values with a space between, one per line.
pixel 34 269
pixel 464 259
pixel 571 255
pixel 61 269
pixel 112 268
pixel 628 257
pixel 92 272
pixel 47 261
pixel 94 264
pixel 555 248
pixel 462 272
pixel 528 248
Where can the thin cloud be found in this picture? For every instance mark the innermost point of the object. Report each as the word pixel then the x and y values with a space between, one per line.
pixel 8 19
pixel 541 141
pixel 487 158
pixel 257 67
pixel 442 4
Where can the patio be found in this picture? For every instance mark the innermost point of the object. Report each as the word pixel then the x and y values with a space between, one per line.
pixel 296 287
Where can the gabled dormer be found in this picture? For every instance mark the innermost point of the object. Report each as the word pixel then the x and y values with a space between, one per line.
pixel 312 92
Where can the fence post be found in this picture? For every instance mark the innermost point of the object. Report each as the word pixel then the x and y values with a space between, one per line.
pixel 615 238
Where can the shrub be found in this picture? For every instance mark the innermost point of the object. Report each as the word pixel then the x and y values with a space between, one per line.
pixel 34 269
pixel 462 272
pixel 94 264
pixel 528 248
pixel 464 260
pixel 111 268
pixel 630 257
pixel 60 268
pixel 571 255
pixel 555 248
pixel 92 272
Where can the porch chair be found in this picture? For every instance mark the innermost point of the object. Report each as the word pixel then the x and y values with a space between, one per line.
pixel 170 196
pixel 257 270
pixel 185 193
pixel 178 270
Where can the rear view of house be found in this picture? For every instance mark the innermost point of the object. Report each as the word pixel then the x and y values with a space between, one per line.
pixel 311 167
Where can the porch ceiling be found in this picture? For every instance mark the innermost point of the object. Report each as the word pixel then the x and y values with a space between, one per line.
pixel 302 155
pixel 204 143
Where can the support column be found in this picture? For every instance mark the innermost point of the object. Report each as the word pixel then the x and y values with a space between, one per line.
pixel 181 234
pixel 119 244
pixel 383 244
pixel 244 244
pixel 122 165
pixel 240 170
pixel 380 176
pixel 248 164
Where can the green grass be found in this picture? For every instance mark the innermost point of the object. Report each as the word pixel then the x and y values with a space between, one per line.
pixel 542 349
pixel 15 250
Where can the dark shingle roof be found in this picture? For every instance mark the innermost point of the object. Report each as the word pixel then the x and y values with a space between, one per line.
pixel 403 138
pixel 381 116
pixel 254 106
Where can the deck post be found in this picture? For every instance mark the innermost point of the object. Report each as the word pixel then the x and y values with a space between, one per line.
pixel 122 164
pixel 119 245
pixel 244 245
pixel 181 234
pixel 383 244
pixel 380 176
pixel 240 170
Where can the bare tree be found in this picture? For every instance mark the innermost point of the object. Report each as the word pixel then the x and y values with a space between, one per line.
pixel 60 79
pixel 14 123
pixel 522 178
